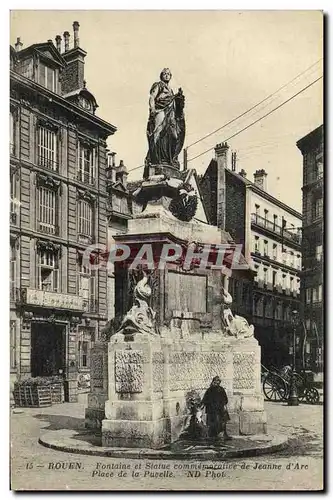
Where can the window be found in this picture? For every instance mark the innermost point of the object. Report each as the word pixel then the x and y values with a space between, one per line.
pixel 291 284
pixel 278 311
pixel 284 281
pixel 87 286
pixel 292 259
pixel 275 221
pixel 308 324
pixel 274 251
pixel 13 345
pixel 315 295
pixel 274 278
pixel 12 133
pixel 319 252
pixel 86 164
pixel 298 261
pixel 47 141
pixel 47 77
pixel 84 353
pixel 320 293
pixel 286 313
pixel 48 271
pixel 256 244
pixel 13 199
pixel 12 271
pixel 85 217
pixel 317 208
pixel 46 210
pixel 265 276
pixel 318 174
pixel 257 208
pixel 265 247
pixel 26 68
pixel 308 295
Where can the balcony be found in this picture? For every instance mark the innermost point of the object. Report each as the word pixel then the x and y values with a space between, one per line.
pixel 48 163
pixel 275 228
pixel 51 300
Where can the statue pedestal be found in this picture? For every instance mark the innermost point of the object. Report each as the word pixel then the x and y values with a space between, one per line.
pixel 150 376
pixel 150 380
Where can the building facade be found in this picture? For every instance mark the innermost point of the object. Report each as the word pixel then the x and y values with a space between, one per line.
pixel 270 233
pixel 312 297
pixel 58 194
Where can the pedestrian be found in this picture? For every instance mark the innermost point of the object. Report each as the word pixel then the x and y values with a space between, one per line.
pixel 215 400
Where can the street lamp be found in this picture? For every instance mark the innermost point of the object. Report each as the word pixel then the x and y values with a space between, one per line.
pixel 293 396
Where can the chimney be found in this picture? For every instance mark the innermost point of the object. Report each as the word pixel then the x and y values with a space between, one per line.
pixel 221 156
pixel 121 173
pixel 243 173
pixel 72 77
pixel 233 161
pixel 58 42
pixel 18 44
pixel 76 34
pixel 66 39
pixel 260 179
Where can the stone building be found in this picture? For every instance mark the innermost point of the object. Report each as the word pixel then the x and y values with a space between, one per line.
pixel 58 194
pixel 270 232
pixel 312 149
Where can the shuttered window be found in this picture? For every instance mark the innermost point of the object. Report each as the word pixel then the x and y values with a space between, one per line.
pixel 85 213
pixel 48 271
pixel 46 204
pixel 47 148
pixel 86 164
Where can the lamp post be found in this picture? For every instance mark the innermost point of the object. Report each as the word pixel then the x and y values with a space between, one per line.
pixel 293 396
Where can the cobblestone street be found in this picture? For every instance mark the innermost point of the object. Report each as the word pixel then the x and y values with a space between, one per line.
pixel 299 466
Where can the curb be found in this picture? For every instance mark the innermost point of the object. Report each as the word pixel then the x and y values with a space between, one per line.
pixel 49 440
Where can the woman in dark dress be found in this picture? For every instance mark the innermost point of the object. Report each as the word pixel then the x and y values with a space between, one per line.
pixel 215 401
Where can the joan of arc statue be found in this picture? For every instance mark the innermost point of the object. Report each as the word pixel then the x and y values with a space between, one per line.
pixel 166 124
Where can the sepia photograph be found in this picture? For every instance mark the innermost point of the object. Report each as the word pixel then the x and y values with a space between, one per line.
pixel 166 250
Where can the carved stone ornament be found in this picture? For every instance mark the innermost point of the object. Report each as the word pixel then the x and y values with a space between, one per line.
pixel 84 194
pixel 234 325
pixel 48 246
pixel 44 122
pixel 185 202
pixel 47 181
pixel 140 319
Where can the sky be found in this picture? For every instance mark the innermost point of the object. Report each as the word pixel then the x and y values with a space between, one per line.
pixel 225 62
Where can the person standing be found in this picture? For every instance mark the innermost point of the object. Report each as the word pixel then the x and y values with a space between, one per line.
pixel 215 401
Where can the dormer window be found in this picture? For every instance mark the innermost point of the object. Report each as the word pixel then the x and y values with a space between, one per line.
pixel 47 77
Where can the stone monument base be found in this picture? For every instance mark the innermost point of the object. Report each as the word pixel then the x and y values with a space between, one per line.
pixel 152 378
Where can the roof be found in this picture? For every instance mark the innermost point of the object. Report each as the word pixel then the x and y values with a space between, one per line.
pixel 256 188
pixel 311 139
pixel 45 48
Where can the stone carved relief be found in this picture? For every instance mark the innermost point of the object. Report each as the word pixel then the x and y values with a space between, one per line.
pixel 244 374
pixel 190 370
pixel 129 371
pixel 158 371
pixel 234 325
pixel 97 371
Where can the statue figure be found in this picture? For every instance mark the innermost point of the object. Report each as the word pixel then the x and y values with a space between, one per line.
pixel 140 318
pixel 235 325
pixel 166 124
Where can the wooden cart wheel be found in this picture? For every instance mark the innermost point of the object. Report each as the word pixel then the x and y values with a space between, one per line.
pixel 311 395
pixel 274 387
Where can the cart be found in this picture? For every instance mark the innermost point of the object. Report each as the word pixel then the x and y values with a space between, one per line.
pixel 277 385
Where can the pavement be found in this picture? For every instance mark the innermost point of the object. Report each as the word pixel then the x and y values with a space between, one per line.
pixel 299 466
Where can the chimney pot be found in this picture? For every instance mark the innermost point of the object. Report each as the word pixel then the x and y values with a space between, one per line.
pixel 66 39
pixel 243 173
pixel 58 42
pixel 18 44
pixel 76 26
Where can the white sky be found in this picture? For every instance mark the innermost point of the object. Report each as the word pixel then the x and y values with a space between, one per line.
pixel 225 62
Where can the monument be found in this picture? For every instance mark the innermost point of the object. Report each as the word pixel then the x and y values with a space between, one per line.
pixel 177 331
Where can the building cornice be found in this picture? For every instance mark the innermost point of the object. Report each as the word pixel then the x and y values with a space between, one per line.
pixel 57 99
